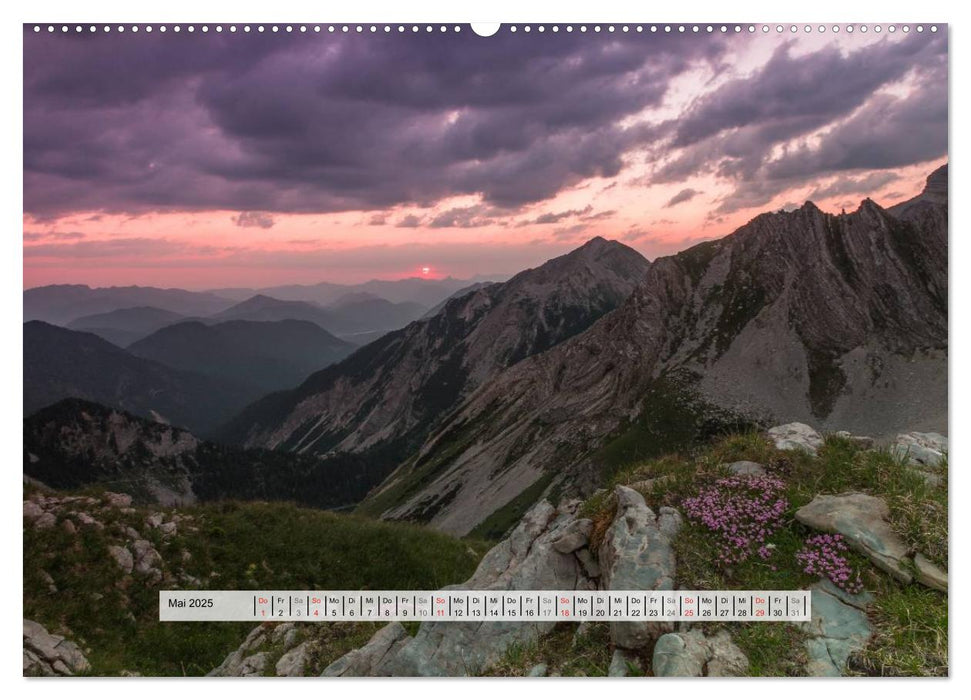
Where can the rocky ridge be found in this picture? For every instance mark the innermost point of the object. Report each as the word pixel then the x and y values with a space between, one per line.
pixel 839 320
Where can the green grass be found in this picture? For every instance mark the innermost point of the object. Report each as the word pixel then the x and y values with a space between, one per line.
pixel 589 655
pixel 114 618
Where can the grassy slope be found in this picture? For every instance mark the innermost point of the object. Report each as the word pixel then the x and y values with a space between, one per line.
pixel 230 545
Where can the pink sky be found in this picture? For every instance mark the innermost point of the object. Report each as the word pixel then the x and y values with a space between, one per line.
pixel 200 247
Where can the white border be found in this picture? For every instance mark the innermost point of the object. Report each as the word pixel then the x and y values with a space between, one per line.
pixel 829 11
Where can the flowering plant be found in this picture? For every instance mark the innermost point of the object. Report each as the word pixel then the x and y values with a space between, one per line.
pixel 823 555
pixel 744 510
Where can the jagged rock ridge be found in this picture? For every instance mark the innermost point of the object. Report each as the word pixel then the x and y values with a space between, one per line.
pixel 391 392
pixel 838 320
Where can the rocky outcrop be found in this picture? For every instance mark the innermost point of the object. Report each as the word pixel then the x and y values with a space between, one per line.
pixel 542 553
pixel 636 555
pixel 921 449
pixel 398 386
pixel 862 520
pixel 47 654
pixel 795 436
pixel 691 653
pixel 839 627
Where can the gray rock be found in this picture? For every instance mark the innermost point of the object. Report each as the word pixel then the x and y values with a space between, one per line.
pixel 680 654
pixel 591 567
pixel 537 671
pixel 367 660
pixel 692 654
pixel 69 527
pixel 795 436
pixel 838 628
pixel 168 529
pixel 88 521
pixel 49 580
pixel 47 654
pixel 526 560
pixel 861 519
pixel 147 559
pixel 118 500
pixel 929 574
pixel 636 554
pixel 921 449
pixel 45 521
pixel 294 662
pixel 154 520
pixel 621 663
pixel 122 557
pixel 32 511
pixel 863 442
pixel 254 665
pixel 235 663
pixel 574 536
pixel 747 468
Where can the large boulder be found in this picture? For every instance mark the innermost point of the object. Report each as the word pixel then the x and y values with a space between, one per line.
pixel 693 654
pixel 838 628
pixel 47 654
pixel 795 436
pixel 636 555
pixel 529 559
pixel 862 520
pixel 921 449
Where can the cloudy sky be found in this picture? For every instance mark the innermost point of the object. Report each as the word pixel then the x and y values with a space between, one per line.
pixel 205 160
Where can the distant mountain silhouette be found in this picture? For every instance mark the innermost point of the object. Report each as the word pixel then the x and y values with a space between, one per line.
pixel 269 355
pixel 124 326
pixel 61 363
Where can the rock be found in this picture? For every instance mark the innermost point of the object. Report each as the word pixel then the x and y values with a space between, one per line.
pixel 88 521
pixel 49 580
pixel 584 629
pixel 747 468
pixel 294 662
pixel 132 534
pixel 122 557
pixel 118 500
pixel 691 653
pixel 537 671
pixel 838 628
pixel 922 449
pixel 861 519
pixel 526 560
pixel 32 511
pixel 147 559
pixel 168 528
pixel 929 574
pixel 622 662
pixel 680 654
pixel 254 665
pixel 69 527
pixel 862 442
pixel 48 654
pixel 45 521
pixel 636 554
pixel 367 660
pixel 154 520
pixel 235 664
pixel 591 567
pixel 574 536
pixel 795 436
pixel 725 658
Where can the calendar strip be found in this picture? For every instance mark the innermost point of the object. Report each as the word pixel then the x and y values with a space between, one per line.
pixel 477 606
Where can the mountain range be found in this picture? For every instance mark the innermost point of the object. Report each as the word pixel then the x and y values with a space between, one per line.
pixel 61 363
pixel 836 320
pixel 542 384
pixel 384 399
